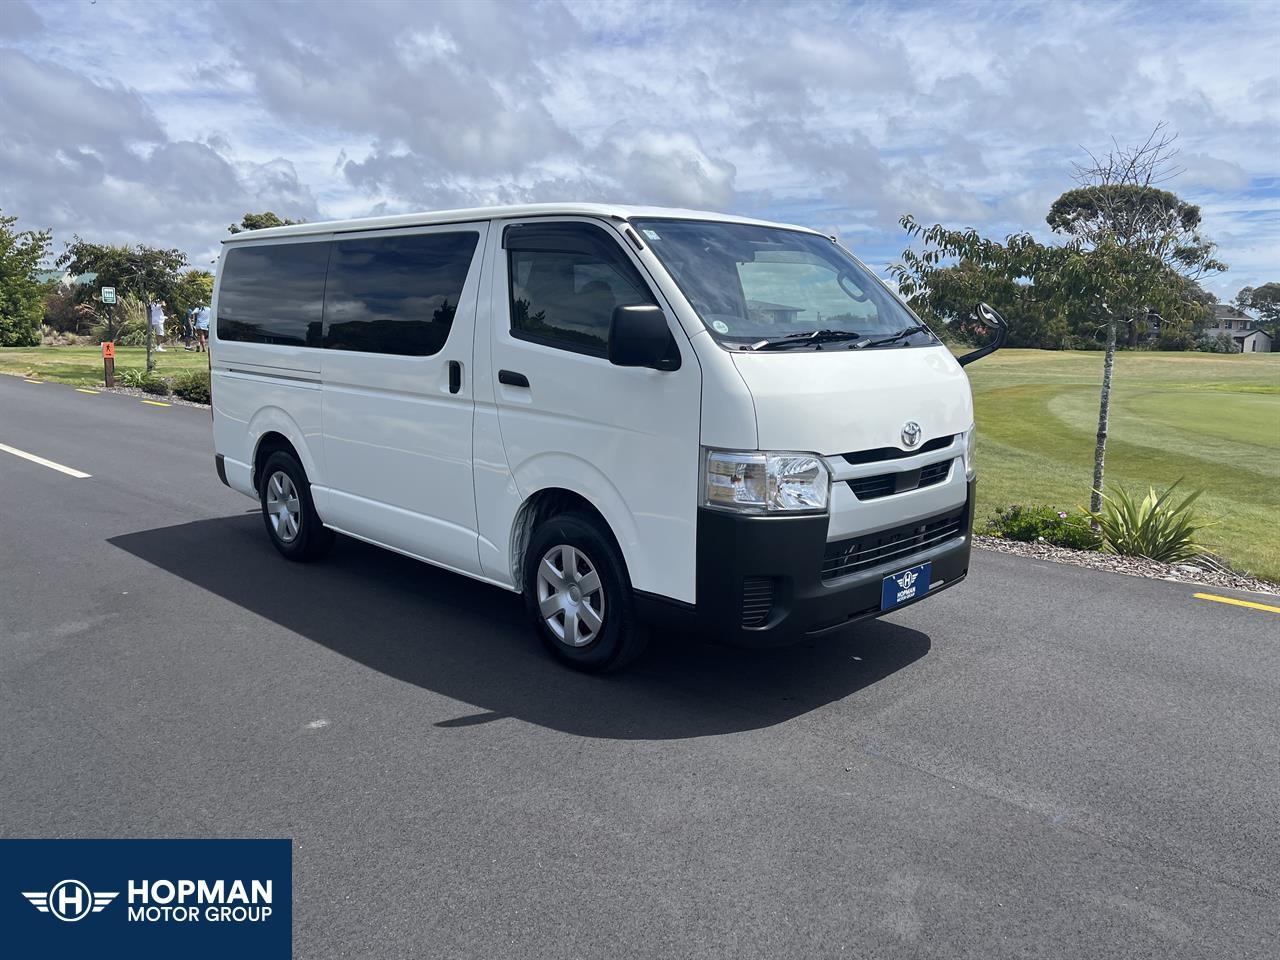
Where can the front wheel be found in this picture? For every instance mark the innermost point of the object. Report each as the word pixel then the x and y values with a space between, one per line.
pixel 579 596
pixel 288 511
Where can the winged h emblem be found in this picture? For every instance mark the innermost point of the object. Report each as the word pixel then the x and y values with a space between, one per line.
pixel 70 900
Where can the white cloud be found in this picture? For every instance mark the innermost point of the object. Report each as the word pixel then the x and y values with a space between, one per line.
pixel 169 122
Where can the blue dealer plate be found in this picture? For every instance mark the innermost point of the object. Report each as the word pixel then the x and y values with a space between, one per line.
pixel 905 586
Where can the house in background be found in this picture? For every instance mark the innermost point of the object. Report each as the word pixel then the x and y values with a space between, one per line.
pixel 778 314
pixel 1247 332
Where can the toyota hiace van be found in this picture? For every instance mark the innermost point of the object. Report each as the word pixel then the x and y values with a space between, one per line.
pixel 628 415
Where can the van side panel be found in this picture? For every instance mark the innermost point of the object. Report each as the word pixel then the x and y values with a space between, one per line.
pixel 398 427
pixel 624 438
pixel 260 388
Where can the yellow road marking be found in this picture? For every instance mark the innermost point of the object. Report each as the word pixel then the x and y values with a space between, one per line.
pixel 83 390
pixel 33 381
pixel 155 403
pixel 1237 603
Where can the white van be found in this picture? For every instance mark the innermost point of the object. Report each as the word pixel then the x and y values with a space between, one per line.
pixel 626 414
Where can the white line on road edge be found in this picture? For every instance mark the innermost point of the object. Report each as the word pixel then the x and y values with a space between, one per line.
pixel 45 463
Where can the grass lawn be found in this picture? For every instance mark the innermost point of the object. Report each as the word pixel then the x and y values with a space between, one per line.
pixel 83 365
pixel 1212 420
pixel 1209 419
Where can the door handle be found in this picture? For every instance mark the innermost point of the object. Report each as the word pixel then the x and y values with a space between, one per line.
pixel 455 376
pixel 512 379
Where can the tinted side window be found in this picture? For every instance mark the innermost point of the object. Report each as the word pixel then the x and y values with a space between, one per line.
pixel 273 293
pixel 395 294
pixel 565 298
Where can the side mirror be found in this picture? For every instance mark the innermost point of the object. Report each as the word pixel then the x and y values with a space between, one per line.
pixel 639 337
pixel 987 314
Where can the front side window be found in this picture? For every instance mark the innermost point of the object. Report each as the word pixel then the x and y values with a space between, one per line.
pixel 273 293
pixel 566 280
pixel 751 283
pixel 397 294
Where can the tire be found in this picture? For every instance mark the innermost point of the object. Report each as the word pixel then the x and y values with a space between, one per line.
pixel 297 533
pixel 593 630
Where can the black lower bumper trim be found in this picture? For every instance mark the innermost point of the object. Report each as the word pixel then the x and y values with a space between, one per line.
pixel 760 579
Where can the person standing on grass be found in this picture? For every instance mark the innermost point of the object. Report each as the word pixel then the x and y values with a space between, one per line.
pixel 202 328
pixel 157 324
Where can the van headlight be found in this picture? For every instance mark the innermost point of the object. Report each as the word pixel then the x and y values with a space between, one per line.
pixel 969 439
pixel 765 481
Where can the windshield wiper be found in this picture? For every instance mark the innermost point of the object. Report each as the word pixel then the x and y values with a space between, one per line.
pixel 893 337
pixel 804 339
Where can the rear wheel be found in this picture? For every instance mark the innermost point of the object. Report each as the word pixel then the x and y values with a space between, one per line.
pixel 288 511
pixel 579 595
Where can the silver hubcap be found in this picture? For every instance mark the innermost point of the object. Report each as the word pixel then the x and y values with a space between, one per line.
pixel 570 595
pixel 283 508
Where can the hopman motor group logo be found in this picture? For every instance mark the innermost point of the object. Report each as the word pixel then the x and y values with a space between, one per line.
pixel 151 899
pixel 70 900
pixel 162 901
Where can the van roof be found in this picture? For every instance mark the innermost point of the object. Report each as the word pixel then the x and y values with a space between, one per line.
pixel 428 218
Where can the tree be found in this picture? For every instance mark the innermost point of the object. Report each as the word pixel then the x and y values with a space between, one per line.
pixel 1132 250
pixel 147 273
pixel 1263 301
pixel 193 289
pixel 1151 243
pixel 260 221
pixel 21 293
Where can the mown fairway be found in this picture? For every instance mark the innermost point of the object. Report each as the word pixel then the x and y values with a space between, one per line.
pixel 83 365
pixel 1212 420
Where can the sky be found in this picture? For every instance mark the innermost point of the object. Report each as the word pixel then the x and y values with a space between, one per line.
pixel 162 123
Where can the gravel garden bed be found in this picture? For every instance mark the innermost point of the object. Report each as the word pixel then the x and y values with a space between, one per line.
pixel 143 395
pixel 1205 571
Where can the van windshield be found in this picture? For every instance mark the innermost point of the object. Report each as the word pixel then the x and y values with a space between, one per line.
pixel 759 286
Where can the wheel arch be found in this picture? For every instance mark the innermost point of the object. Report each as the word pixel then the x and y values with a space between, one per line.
pixel 541 506
pixel 276 430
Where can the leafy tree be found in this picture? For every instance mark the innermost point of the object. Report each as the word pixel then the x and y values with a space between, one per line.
pixel 193 289
pixel 146 273
pixel 261 221
pixel 1131 250
pixel 1263 301
pixel 21 294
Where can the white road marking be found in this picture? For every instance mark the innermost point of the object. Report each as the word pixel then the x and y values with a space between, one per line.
pixel 80 474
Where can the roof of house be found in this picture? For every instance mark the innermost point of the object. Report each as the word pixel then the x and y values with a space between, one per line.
pixel 768 307
pixel 1225 311
pixel 603 210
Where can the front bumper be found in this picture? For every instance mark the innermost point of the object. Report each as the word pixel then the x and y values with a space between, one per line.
pixel 760 579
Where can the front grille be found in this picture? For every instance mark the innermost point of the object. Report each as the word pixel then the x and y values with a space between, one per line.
pixel 757 600
pixel 845 557
pixel 883 484
pixel 893 453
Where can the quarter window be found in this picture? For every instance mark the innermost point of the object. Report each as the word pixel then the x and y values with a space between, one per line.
pixel 273 293
pixel 566 280
pixel 397 294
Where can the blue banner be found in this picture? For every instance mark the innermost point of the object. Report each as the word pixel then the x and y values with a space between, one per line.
pixel 147 898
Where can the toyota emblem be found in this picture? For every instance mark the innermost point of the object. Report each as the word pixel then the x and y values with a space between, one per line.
pixel 911 433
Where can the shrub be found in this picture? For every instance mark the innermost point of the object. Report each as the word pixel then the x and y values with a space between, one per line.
pixel 130 377
pixel 192 385
pixel 1044 524
pixel 155 384
pixel 1216 343
pixel 1153 527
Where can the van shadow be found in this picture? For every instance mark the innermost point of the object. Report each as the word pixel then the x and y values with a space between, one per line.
pixel 471 642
